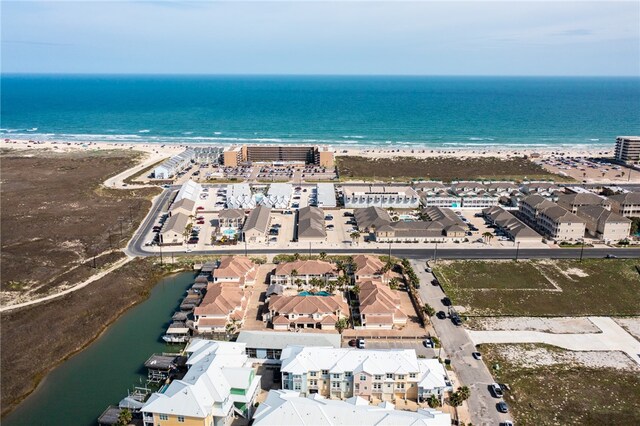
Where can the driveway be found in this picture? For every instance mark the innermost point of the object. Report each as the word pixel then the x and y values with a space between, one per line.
pixel 612 338
pixel 458 346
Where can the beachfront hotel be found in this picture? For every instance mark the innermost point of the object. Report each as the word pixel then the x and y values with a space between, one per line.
pixel 628 149
pixel 283 154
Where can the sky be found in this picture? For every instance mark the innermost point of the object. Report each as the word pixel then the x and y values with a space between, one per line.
pixel 574 38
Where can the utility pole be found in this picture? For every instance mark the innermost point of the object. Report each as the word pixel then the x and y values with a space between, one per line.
pixel 244 238
pixel 389 251
pixel 435 254
pixel 309 249
pixel 160 254
pixel 581 250
pixel 517 250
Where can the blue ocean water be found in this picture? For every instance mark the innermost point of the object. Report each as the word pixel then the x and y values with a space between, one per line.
pixel 381 111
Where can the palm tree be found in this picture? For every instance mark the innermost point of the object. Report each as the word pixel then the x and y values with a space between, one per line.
pixel 356 289
pixel 296 256
pixel 125 417
pixel 355 235
pixel 464 392
pixel 322 255
pixel 299 283
pixel 434 401
pixel 428 310
pixel 341 324
pixel 393 283
pixel 487 236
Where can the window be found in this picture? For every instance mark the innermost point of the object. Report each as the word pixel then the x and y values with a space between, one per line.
pixel 363 378
pixel 378 377
pixel 296 386
pixel 400 376
pixel 336 376
pixel 347 374
pixel 164 417
pixel 335 385
pixel 412 375
pixel 313 382
pixel 377 386
pixel 389 375
pixel 325 372
pixel 180 419
pixel 400 385
pixel 312 373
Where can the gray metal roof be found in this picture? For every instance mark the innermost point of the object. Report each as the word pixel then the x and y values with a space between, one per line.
pixel 258 219
pixel 311 223
pixel 280 340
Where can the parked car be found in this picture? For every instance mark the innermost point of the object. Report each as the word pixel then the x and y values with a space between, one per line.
pixel 200 208
pixel 428 269
pixel 441 315
pixel 611 256
pixel 353 342
pixel 456 320
pixel 328 217
pixel 502 407
pixel 477 355
pixel 495 390
pixel 428 343
pixel 361 344
pixel 435 282
pixel 446 301
pixel 506 423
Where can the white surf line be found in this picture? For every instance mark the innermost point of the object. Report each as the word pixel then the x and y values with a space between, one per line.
pixel 77 287
pixel 612 338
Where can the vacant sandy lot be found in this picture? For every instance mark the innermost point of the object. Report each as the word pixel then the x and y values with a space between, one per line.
pixel 547 325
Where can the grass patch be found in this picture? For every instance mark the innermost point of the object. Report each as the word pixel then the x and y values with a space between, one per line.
pixel 441 168
pixel 567 394
pixel 525 288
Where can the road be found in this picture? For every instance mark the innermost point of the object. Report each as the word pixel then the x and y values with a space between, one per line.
pixel 458 347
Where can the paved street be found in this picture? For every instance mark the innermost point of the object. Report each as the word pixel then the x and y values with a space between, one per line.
pixel 458 348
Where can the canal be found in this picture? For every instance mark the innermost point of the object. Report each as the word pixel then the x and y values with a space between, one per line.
pixel 79 390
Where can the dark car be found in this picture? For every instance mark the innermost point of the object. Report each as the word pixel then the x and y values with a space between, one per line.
pixel 446 301
pixel 502 407
pixel 456 320
pixel 353 342
pixel 435 282
pixel 193 241
pixel 441 315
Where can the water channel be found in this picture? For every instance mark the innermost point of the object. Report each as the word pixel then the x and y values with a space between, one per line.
pixel 78 391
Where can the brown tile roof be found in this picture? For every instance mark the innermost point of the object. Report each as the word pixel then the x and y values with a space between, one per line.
pixel 367 264
pixel 377 298
pixel 306 267
pixel 212 322
pixel 306 305
pixel 222 299
pixel 236 267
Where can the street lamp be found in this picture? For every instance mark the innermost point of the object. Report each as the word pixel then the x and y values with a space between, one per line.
pixel 435 253
pixel 581 250
pixel 389 251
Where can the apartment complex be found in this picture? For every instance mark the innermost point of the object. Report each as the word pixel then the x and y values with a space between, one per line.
pixel 513 227
pixel 419 231
pixel 379 306
pixel 627 205
pixel 289 408
pixel 628 149
pixel 604 224
pixel 400 197
pixel 231 218
pixel 236 269
pixel 257 225
pixel 551 220
pixel 218 386
pixel 302 273
pixel 174 165
pixel 370 218
pixel 368 267
pixel 224 305
pixel 321 312
pixel 572 202
pixel 311 224
pixel 289 154
pixel 384 375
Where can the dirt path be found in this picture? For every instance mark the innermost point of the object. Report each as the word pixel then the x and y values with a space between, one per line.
pixel 612 338
pixel 76 287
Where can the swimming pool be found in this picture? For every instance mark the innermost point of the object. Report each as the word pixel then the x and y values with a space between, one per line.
pixel 406 218
pixel 308 293
pixel 229 232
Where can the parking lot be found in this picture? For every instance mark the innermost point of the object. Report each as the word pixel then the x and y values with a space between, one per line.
pixel 397 344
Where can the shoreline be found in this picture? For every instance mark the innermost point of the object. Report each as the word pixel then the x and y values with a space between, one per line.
pixel 38 381
pixel 369 151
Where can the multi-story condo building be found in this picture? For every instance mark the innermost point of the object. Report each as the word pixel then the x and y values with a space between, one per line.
pixel 605 224
pixel 385 375
pixel 302 273
pixel 231 218
pixel 380 306
pixel 284 407
pixel 513 227
pixel 322 312
pixel 224 305
pixel 368 267
pixel 551 220
pixel 174 165
pixel 572 202
pixel 628 149
pixel 219 385
pixel 627 205
pixel 545 189
pixel 239 270
pixel 400 197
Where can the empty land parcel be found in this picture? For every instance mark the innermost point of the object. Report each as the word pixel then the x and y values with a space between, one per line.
pixel 544 287
pixel 56 217
pixel 441 168
pixel 548 388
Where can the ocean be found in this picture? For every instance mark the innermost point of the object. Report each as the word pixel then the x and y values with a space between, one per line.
pixel 414 112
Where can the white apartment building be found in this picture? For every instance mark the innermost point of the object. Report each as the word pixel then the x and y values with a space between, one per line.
pixel 239 196
pixel 627 205
pixel 384 375
pixel 217 387
pixel 400 197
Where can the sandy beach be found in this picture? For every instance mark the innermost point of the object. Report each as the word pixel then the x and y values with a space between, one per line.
pixel 370 152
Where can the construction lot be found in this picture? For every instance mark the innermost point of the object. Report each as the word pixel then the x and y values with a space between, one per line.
pixel 545 287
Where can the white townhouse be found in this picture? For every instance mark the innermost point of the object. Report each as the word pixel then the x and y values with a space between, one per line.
pixel 399 197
